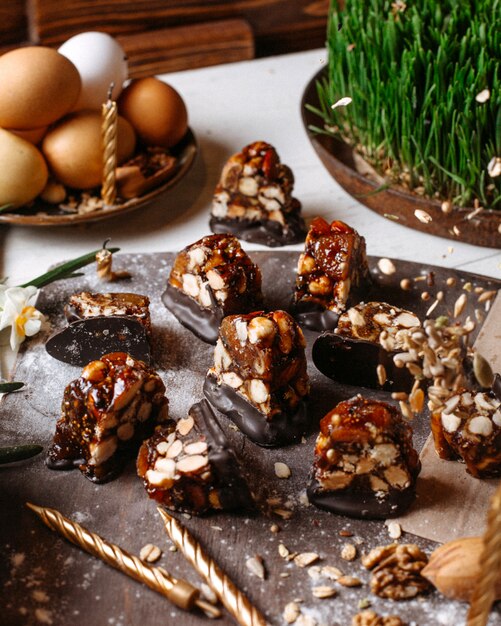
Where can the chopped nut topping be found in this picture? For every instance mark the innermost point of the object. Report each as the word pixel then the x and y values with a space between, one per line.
pixel 306 558
pixel 150 553
pixel 282 470
pixel 349 552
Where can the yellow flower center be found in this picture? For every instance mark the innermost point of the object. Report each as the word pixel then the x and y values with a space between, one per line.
pixel 21 319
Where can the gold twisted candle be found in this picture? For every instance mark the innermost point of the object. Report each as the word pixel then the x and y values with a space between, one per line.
pixel 109 131
pixel 230 596
pixel 178 591
pixel 484 592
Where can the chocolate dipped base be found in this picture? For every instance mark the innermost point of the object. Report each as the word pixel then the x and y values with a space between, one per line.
pixel 266 232
pixel 88 339
pixel 352 361
pixel 361 504
pixel 314 317
pixel 203 323
pixel 281 430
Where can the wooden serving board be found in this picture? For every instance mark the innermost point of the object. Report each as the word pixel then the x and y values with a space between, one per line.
pixel 45 580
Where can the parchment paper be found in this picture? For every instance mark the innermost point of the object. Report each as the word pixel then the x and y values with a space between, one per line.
pixel 450 503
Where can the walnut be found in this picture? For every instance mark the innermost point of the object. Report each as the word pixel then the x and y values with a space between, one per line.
pixel 396 571
pixel 370 618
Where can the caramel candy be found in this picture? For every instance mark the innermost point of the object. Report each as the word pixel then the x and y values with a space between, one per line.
pixel 368 335
pixel 468 428
pixel 190 466
pixel 365 465
pixel 253 199
pixel 332 273
pixel 210 279
pixel 259 376
pixel 105 415
pixel 85 305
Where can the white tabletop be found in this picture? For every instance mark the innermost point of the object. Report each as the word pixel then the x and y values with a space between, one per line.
pixel 230 106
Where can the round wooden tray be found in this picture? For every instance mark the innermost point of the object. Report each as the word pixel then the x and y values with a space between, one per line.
pixel 397 204
pixel 41 213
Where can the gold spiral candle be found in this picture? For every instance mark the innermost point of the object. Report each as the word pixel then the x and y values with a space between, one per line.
pixel 109 131
pixel 179 592
pixel 235 602
pixel 484 593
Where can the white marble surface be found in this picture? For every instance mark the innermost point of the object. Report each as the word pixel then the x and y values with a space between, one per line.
pixel 230 106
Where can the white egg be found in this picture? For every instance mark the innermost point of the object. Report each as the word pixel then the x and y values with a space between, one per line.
pixel 101 60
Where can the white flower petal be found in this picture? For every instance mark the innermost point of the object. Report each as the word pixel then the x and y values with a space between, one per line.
pixel 483 96
pixel 32 327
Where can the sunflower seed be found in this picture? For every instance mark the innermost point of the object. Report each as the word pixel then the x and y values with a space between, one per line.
pixel 323 591
pixel 423 216
pixel 459 305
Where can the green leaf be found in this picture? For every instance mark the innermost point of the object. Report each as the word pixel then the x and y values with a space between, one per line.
pixel 65 270
pixel 11 454
pixel 8 387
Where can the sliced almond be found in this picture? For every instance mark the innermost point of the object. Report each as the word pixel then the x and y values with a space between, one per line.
pixel 175 449
pixel 198 447
pixel 184 425
pixel 190 464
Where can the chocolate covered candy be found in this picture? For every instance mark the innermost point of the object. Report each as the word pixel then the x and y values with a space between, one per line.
pixel 366 347
pixel 259 376
pixel 105 415
pixel 101 323
pixel 253 199
pixel 365 465
pixel 468 428
pixel 332 274
pixel 190 466
pixel 85 305
pixel 210 279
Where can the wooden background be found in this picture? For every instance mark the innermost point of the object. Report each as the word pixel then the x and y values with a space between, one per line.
pixel 169 35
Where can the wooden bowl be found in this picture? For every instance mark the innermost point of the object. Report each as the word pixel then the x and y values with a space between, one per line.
pixel 396 203
pixel 41 213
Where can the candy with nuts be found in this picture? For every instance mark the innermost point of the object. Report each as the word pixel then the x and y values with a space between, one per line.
pixel 332 274
pixel 105 415
pixel 365 465
pixel 253 199
pixel 210 279
pixel 259 376
pixel 190 466
pixel 366 348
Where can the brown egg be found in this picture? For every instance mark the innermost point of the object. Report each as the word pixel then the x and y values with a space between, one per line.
pixel 73 149
pixel 23 171
pixel 33 135
pixel 39 86
pixel 155 110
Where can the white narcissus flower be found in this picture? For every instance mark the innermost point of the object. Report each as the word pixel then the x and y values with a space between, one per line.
pixel 17 311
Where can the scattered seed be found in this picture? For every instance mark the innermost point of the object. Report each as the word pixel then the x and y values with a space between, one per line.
pixel 483 96
pixel 459 305
pixel 423 216
pixel 482 370
pixel 399 395
pixel 348 552
pixel 432 307
pixel 185 425
pixel 330 572
pixel 306 558
pixel 291 612
pixel 283 513
pixel 172 549
pixel 345 533
pixel 323 591
pixel 486 295
pixel 275 528
pixel 284 574
pixel 425 296
pixel 394 530
pixel 381 374
pixel 406 411
pixel 282 470
pixel 349 581
pixel 342 102
pixel 150 553
pixel 364 603
pixel 315 572
pixel 446 206
pixel 451 281
pixel 468 287
pixel 283 550
pixel 494 167
pixel 416 400
pixel 405 284
pixel 456 230
pixel 255 566
pixel 386 266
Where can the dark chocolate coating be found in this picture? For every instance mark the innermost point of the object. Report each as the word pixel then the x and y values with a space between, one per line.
pixel 232 489
pixel 354 361
pixel 268 233
pixel 203 323
pixel 313 316
pixel 281 430
pixel 88 339
pixel 361 504
pixel 496 386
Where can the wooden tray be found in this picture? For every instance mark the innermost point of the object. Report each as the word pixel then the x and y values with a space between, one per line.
pixel 41 213
pixel 395 203
pixel 80 589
